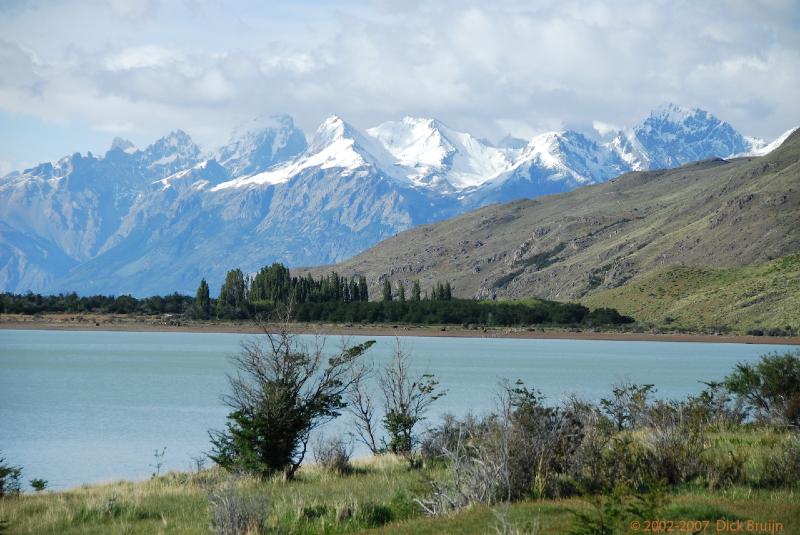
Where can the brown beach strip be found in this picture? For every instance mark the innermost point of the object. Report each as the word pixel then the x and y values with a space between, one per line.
pixel 71 322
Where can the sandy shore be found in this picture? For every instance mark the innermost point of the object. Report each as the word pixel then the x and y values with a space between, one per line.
pixel 67 322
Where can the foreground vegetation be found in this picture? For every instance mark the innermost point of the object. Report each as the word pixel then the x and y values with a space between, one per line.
pixel 729 454
pixel 378 494
pixel 759 299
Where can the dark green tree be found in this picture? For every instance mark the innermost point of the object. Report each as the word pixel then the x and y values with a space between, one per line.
pixel 271 284
pixel 280 393
pixel 232 302
pixel 387 290
pixel 448 292
pixel 362 287
pixel 202 302
pixel 401 293
pixel 10 477
pixel 415 291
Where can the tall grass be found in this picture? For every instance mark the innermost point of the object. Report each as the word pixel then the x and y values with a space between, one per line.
pixel 378 493
pixel 379 490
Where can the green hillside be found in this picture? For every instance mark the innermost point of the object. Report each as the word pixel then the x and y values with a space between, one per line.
pixel 763 296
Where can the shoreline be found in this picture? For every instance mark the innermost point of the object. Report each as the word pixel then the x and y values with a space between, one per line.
pixel 127 324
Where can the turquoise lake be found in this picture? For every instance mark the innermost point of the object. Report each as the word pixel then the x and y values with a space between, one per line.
pixel 84 407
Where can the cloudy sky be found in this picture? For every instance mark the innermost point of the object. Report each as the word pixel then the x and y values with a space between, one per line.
pixel 74 74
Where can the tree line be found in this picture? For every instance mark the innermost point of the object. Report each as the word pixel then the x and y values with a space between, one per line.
pixel 330 298
pixel 31 303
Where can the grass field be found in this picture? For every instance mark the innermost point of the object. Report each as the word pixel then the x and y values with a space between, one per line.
pixel 763 296
pixel 379 496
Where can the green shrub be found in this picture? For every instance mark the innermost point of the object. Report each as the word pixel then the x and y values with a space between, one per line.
pixel 726 469
pixel 770 388
pixel 10 477
pixel 38 484
pixel 781 467
pixel 373 515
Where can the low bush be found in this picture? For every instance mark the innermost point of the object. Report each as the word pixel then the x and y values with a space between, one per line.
pixel 780 467
pixel 235 512
pixel 333 454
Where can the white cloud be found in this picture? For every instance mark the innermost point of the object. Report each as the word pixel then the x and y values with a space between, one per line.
pixel 132 9
pixel 142 57
pixel 516 67
pixel 605 128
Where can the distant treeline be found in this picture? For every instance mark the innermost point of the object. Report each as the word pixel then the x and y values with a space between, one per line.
pixel 31 303
pixel 332 298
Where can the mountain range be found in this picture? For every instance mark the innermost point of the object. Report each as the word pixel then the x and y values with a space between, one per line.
pixel 156 220
pixel 710 244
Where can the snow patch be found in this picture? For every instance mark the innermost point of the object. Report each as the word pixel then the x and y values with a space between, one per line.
pixel 763 149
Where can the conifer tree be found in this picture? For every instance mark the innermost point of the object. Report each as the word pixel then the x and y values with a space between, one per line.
pixel 415 291
pixel 202 302
pixel 232 300
pixel 402 293
pixel 387 290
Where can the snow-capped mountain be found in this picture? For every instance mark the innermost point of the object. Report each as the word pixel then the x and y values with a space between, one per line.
pixel 672 136
pixel 440 157
pixel 156 220
pixel 552 162
pixel 335 145
pixel 759 147
pixel 338 197
pixel 261 144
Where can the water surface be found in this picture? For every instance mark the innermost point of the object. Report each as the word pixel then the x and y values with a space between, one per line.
pixel 80 407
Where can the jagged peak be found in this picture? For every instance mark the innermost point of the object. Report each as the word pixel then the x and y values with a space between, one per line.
pixel 175 141
pixel 262 123
pixel 177 138
pixel 559 138
pixel 674 114
pixel 333 129
pixel 122 144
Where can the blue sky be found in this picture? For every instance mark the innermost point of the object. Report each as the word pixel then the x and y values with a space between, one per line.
pixel 77 73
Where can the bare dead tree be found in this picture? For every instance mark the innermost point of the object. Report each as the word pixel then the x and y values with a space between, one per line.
pixel 406 400
pixel 362 408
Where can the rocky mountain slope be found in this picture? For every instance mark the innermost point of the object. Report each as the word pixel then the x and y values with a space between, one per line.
pixel 714 213
pixel 158 219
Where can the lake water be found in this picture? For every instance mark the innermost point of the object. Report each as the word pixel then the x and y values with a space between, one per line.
pixel 82 407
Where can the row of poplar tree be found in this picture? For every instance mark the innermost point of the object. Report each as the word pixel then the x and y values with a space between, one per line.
pixel 240 294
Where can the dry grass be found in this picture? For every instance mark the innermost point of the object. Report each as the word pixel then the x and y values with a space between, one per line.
pixel 378 494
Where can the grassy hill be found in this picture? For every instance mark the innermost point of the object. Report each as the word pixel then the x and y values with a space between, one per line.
pixel 758 297
pixel 706 218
